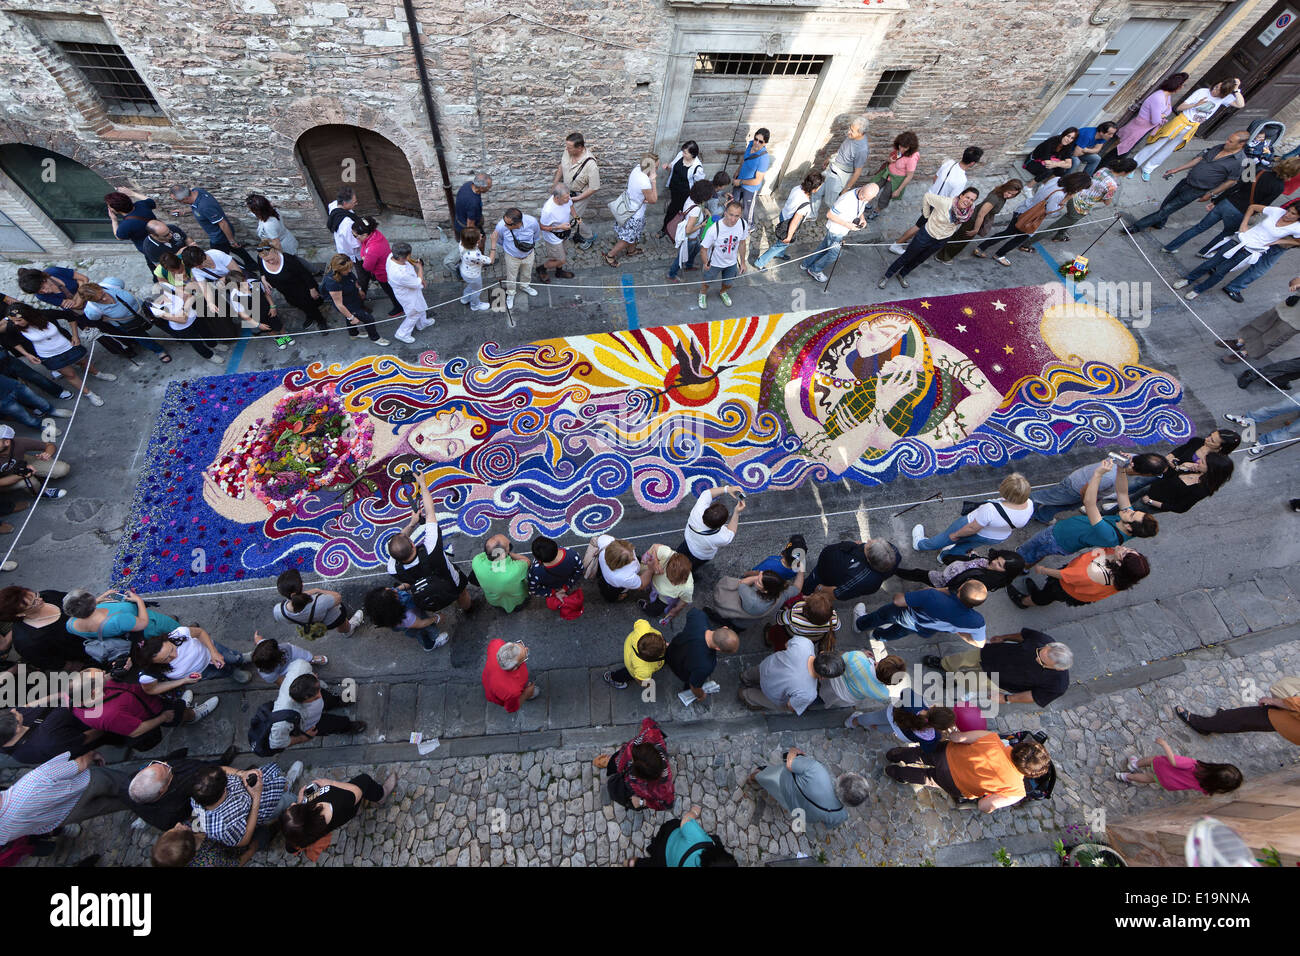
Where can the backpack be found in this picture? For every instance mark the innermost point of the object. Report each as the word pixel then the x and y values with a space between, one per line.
pixel 336 217
pixel 259 728
pixel 432 587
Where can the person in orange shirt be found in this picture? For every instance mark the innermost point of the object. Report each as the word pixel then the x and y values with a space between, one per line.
pixel 974 765
pixel 1093 576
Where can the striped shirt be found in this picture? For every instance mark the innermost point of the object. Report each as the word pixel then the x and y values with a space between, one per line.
pixel 42 798
pixel 227 821
pixel 795 621
pixel 857 685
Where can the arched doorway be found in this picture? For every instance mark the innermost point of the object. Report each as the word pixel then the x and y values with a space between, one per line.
pixel 70 194
pixel 335 155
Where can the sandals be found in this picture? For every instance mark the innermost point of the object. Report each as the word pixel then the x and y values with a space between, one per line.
pixel 609 260
pixel 1026 248
pixel 978 254
pixel 164 358
pixel 1002 261
pixel 1182 714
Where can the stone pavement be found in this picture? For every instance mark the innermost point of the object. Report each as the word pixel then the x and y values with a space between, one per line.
pixel 548 806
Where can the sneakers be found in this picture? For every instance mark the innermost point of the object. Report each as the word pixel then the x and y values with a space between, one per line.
pixel 1122 777
pixel 54 492
pixel 239 675
pixel 529 289
pixel 897 249
pixel 901 280
pixel 443 638
pixel 608 678
pixel 106 376
pixel 1181 284
pixel 1189 296
pixel 479 307
pixel 1166 250
pixel 357 619
pixel 9 566
pixel 510 301
pixel 1233 294
pixel 65 395
pixel 62 413
pixel 816 276
pixel 94 400
pixel 382 343
pixel 138 824
pixel 726 299
pixel 188 697
pixel 1255 450
pixel 292 775
pixel 1146 176
pixel 1133 764
pixel 918 535
pixel 851 720
pixel 859 610
pixel 704 301
pixel 882 282
pixel 205 708
pixel 216 360
pixel 404 338
pixel 283 342
pixel 1241 420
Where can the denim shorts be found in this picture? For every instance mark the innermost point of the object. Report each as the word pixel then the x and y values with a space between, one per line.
pixel 727 272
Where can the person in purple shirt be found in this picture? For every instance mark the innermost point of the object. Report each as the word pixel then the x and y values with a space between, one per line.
pixel 928 612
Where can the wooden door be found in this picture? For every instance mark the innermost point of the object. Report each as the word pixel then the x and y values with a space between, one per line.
pixel 335 155
pixel 1265 60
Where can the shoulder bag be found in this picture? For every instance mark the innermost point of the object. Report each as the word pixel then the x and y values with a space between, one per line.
pixel 1029 221
pixel 622 208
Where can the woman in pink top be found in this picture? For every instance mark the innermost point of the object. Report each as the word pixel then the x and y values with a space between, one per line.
pixel 1181 773
pixel 374 258
pixel 1156 108
pixel 898 169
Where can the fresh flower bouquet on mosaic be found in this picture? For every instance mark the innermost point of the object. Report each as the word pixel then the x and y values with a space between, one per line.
pixel 310 442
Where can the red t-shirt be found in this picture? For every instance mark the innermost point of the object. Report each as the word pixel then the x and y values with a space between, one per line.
pixel 501 686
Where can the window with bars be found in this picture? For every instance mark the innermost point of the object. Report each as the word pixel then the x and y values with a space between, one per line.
pixel 113 78
pixel 887 90
pixel 759 64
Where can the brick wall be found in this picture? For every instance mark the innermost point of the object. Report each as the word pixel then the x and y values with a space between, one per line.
pixel 241 80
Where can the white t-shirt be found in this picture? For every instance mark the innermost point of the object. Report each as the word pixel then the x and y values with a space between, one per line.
pixel 554 214
pixel 175 304
pixel 471 263
pixel 638 184
pixel 191 658
pixel 403 278
pixel 1266 232
pixel 702 542
pixel 628 576
pixel 950 180
pixel 723 243
pixel 793 201
pixel 220 266
pixel 1211 105
pixel 344 242
pixel 47 342
pixel 848 207
pixel 1050 190
pixel 991 524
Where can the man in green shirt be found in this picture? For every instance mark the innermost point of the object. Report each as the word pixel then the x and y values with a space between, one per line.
pixel 501 574
pixel 1091 529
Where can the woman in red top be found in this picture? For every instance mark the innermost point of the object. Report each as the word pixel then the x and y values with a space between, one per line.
pixel 374 258
pixel 639 775
pixel 1093 576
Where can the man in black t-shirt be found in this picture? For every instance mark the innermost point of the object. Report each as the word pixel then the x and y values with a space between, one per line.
pixel 159 793
pixel 1027 668
pixel 693 653
pixel 33 735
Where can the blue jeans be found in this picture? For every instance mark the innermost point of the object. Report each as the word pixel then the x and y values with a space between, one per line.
pixel 1038 547
pixel 1270 256
pixel 212 670
pixel 1224 213
pixel 1215 269
pixel 922 247
pixel 959 545
pixel 825 254
pixel 1049 502
pixel 11 367
pixel 16 401
pixel 774 250
pixel 692 250
pixel 1181 195
pixel 891 622
pixel 1089 162
pixel 1281 407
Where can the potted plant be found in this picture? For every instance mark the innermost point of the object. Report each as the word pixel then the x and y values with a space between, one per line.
pixel 1086 852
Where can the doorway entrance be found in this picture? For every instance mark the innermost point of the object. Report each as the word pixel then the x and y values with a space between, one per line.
pixel 1267 59
pixel 335 155
pixel 70 194
pixel 1130 47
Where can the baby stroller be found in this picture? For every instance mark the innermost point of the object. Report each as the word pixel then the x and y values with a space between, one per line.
pixel 1036 788
pixel 1261 146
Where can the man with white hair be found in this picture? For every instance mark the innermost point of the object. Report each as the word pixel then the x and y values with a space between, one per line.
pixel 802 784
pixel 505 674
pixel 844 168
pixel 853 569
pixel 557 222
pixel 159 793
pixel 1025 668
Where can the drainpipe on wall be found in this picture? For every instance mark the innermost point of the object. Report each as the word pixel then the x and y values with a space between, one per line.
pixel 418 48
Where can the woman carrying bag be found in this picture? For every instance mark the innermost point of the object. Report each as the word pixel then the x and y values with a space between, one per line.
pixel 629 209
pixel 1047 200
pixel 686 171
pixel 981 224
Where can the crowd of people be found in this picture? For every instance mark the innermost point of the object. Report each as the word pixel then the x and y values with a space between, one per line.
pixel 139 665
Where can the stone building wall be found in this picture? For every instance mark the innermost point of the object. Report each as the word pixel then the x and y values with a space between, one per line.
pixel 241 80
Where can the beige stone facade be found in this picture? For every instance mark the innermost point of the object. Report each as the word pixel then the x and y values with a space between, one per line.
pixel 237 83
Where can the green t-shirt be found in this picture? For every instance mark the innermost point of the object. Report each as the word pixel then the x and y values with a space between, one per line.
pixel 505 588
pixel 1077 532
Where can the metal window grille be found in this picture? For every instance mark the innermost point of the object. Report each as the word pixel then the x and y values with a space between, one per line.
pixel 113 78
pixel 886 92
pixel 758 64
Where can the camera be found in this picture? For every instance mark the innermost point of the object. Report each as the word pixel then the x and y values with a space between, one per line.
pixel 14 467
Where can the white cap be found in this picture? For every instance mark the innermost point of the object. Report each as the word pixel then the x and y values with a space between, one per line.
pixel 6 432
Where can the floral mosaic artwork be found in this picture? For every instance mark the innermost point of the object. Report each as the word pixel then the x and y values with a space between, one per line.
pixel 313 467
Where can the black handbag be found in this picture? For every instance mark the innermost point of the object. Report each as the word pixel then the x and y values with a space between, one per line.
pixel 521 246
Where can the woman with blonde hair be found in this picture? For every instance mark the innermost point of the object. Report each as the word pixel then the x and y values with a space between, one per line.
pixel 341 284
pixel 989 523
pixel 641 192
pixel 612 562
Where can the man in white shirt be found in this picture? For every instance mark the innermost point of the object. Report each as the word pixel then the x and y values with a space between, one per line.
pixel 555 221
pixel 723 249
pixel 1278 225
pixel 341 218
pixel 950 180
pixel 301 693
pixel 710 527
pixel 848 213
pixel 518 234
